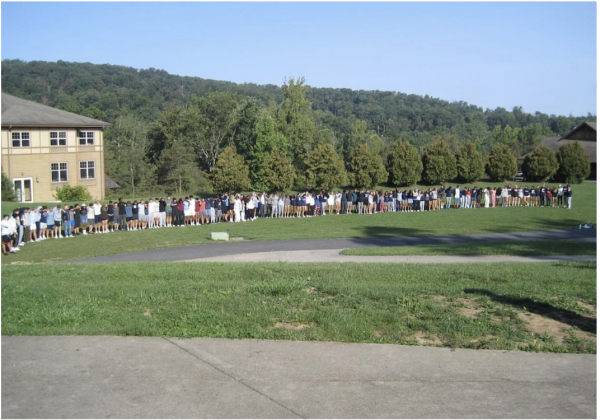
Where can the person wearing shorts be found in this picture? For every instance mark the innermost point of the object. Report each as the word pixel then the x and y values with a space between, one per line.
pixel 169 211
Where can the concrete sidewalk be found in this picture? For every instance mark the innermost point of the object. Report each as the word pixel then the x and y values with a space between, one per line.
pixel 128 377
pixel 333 255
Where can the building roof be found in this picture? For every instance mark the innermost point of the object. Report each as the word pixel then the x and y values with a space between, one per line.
pixel 590 124
pixel 109 183
pixel 22 113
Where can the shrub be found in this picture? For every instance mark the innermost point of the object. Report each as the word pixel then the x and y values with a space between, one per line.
pixel 502 163
pixel 68 193
pixel 404 164
pixel 439 164
pixel 574 165
pixel 365 169
pixel 8 193
pixel 540 165
pixel 469 163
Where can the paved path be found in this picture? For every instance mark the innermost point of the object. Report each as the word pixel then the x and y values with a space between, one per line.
pixel 333 255
pixel 128 377
pixel 193 252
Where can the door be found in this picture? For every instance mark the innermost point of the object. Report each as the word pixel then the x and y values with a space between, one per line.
pixel 24 189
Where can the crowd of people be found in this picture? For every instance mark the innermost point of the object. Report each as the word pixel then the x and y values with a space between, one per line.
pixel 37 224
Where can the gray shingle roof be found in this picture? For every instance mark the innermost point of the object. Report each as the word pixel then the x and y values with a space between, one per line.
pixel 555 143
pixel 20 112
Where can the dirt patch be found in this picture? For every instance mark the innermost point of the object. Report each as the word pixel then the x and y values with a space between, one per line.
pixel 427 339
pixel 148 312
pixel 591 308
pixel 441 300
pixel 310 289
pixel 488 337
pixel 471 308
pixel 21 263
pixel 539 324
pixel 291 326
pixel 379 334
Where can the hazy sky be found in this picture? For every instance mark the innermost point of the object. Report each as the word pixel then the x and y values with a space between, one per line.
pixel 541 56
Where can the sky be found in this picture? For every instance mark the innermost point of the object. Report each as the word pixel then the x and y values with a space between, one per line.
pixel 537 55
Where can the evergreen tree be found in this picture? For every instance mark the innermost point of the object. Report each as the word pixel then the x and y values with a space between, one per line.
pixel 540 165
pixel 469 163
pixel 574 165
pixel 278 172
pixel 325 168
pixel 404 164
pixel 230 173
pixel 502 163
pixel 439 163
pixel 365 169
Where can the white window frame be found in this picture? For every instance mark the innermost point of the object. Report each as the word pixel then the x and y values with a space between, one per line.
pixel 58 138
pixel 85 166
pixel 20 139
pixel 62 167
pixel 86 138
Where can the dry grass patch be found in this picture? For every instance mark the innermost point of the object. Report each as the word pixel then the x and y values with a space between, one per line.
pixel 295 326
pixel 540 325
pixel 425 339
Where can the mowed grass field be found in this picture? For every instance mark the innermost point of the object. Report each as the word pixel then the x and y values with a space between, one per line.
pixel 450 222
pixel 508 306
pixel 534 307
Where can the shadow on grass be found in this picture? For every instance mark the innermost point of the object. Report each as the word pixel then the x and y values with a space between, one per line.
pixel 543 309
pixel 390 236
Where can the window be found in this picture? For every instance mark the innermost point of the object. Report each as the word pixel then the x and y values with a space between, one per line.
pixel 20 139
pixel 59 172
pixel 86 137
pixel 87 169
pixel 58 138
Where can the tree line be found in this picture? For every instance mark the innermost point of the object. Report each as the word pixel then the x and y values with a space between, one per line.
pixel 168 131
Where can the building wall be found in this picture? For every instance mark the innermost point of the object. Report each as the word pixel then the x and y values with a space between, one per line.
pixel 35 161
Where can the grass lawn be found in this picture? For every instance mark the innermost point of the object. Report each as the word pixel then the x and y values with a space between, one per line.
pixel 451 222
pixel 532 307
pixel 518 248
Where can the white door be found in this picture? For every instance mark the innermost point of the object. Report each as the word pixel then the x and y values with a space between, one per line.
pixel 24 189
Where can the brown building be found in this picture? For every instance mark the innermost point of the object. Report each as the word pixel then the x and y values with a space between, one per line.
pixel 44 148
pixel 585 134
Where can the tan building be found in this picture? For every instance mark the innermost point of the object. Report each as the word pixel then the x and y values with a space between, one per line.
pixel 44 148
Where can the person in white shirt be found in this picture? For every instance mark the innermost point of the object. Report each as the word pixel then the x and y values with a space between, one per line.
pixel 8 233
pixel 237 208
pixel 97 216
pixel 457 197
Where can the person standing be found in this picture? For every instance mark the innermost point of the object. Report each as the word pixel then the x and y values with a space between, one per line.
pixel 569 196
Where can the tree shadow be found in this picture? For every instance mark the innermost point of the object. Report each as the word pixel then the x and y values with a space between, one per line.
pixel 391 236
pixel 544 309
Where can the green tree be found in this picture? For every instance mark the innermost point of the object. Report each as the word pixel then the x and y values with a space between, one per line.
pixel 541 164
pixel 126 149
pixel 439 163
pixel 177 168
pixel 502 163
pixel 230 172
pixel 404 164
pixel 217 114
pixel 365 169
pixel 279 174
pixel 268 138
pixel 295 119
pixel 324 168
pixel 76 193
pixel 574 165
pixel 8 193
pixel 469 163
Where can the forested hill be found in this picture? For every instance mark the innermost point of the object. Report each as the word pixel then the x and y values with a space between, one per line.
pixel 107 91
